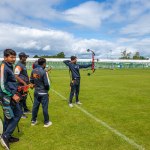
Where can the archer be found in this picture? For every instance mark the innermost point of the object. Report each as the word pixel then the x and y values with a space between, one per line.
pixel 75 82
pixel 9 98
pixel 23 80
pixel 39 77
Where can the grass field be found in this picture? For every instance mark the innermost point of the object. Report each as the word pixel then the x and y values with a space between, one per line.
pixel 119 98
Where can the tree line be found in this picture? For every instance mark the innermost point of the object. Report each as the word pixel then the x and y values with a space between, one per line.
pixel 128 55
pixel 124 55
pixel 59 55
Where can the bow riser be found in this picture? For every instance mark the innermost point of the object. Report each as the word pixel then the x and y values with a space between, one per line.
pixel 93 64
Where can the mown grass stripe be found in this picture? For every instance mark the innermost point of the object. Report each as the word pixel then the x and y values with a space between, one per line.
pixel 124 137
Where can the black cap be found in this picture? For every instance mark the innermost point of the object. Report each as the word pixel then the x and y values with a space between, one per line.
pixel 22 54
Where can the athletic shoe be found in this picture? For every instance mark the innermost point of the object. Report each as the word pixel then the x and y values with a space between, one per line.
pixel 13 139
pixel 47 124
pixel 33 123
pixel 24 116
pixel 79 103
pixel 4 142
pixel 70 105
pixel 27 112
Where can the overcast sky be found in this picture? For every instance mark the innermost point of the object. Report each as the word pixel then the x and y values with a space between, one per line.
pixel 47 27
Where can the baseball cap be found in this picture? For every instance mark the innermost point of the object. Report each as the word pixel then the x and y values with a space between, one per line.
pixel 22 54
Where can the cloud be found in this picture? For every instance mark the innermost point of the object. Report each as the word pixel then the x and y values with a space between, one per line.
pixel 28 44
pixel 143 45
pixel 89 14
pixel 30 38
pixel 139 27
pixel 48 41
pixel 47 47
pixel 127 40
pixel 128 10
pixel 133 45
pixel 27 11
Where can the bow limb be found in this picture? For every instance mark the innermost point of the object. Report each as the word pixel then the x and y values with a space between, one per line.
pixel 93 63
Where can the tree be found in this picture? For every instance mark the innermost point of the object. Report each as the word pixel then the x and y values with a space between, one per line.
pixel 61 55
pixel 36 56
pixel 137 56
pixel 129 55
pixel 125 55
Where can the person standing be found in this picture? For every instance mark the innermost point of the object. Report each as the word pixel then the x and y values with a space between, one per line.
pixel 9 98
pixel 23 80
pixel 39 78
pixel 75 82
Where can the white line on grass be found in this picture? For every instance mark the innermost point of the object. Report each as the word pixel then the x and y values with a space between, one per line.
pixel 130 141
